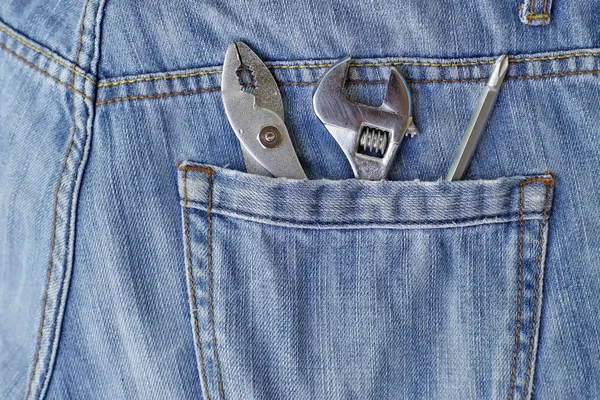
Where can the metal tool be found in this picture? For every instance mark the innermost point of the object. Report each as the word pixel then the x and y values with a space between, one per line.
pixel 480 116
pixel 255 112
pixel 369 136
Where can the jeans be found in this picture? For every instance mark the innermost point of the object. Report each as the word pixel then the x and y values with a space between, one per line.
pixel 139 260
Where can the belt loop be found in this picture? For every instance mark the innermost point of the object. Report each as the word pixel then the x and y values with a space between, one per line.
pixel 535 12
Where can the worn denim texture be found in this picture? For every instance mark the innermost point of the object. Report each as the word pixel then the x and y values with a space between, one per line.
pixel 138 260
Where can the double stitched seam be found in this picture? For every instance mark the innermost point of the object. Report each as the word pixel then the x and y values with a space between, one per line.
pixel 192 286
pixel 267 219
pixel 210 173
pixel 157 96
pixel 158 78
pixel 18 57
pixel 548 182
pixel 377 82
pixel 327 65
pixel 56 194
pixel 537 287
pixel 49 56
pixel 210 280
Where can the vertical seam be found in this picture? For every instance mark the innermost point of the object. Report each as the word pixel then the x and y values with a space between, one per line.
pixel 548 182
pixel 55 210
pixel 191 278
pixel 210 172
pixel 537 287
pixel 520 290
pixel 545 12
pixel 210 279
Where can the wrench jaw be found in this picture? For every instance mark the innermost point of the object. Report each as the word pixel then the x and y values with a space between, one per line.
pixel 358 127
pixel 397 95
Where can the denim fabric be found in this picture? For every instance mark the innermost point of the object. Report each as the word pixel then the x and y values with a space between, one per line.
pixel 138 260
pixel 351 289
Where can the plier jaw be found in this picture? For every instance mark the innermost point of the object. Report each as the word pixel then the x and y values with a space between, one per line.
pixel 255 112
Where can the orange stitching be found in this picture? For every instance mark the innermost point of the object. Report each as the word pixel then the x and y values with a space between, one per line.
pixel 40 51
pixel 537 16
pixel 327 65
pixel 191 278
pixel 382 81
pixel 548 182
pixel 44 72
pixel 157 78
pixel 210 172
pixel 156 96
pixel 520 289
pixel 531 11
pixel 445 80
pixel 465 64
pixel 207 170
pixel 559 57
pixel 216 88
pixel 545 11
pixel 537 286
pixel 53 240
pixel 210 276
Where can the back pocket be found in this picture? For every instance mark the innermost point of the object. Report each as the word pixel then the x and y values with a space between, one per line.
pixel 363 290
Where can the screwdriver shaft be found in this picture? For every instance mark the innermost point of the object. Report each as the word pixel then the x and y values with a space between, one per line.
pixel 478 120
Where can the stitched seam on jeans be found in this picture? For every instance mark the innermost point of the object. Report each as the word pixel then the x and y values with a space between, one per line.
pixel 158 78
pixel 217 88
pixel 531 11
pixel 537 287
pixel 210 172
pixel 327 65
pixel 546 12
pixel 54 214
pixel 520 290
pixel 210 279
pixel 547 182
pixel 433 224
pixel 18 57
pixel 42 52
pixel 206 170
pixel 537 16
pixel 192 286
pixel 156 96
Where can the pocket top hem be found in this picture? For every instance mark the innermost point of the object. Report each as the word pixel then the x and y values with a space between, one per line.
pixel 363 203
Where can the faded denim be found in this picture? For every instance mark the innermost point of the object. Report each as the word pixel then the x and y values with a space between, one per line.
pixel 138 260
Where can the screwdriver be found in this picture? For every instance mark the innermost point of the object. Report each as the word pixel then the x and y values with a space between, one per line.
pixel 485 103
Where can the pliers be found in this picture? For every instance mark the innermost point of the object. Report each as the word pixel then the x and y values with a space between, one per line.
pixel 255 112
